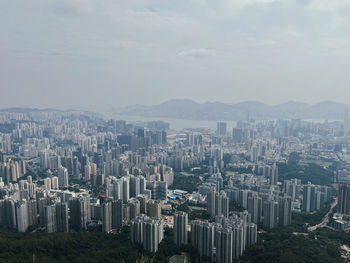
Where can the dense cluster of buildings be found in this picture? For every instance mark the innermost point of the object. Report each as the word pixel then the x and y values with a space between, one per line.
pixel 225 239
pixel 68 171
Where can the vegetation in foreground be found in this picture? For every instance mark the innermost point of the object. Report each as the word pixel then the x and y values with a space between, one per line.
pixel 286 244
pixel 306 172
pixel 187 183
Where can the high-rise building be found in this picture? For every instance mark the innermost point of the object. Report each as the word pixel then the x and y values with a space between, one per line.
pixel 114 188
pixel 255 208
pixel 143 203
pixel 252 236
pixel 134 207
pixel 32 190
pixel 42 203
pixel 107 217
pixel 8 213
pixel 126 214
pixel 309 198
pixel 126 189
pixel 237 135
pixel 158 189
pixel 254 154
pixel 292 188
pixel 217 203
pixel 224 244
pixel 22 216
pixel 62 217
pixel 202 237
pixel 167 175
pixel 62 176
pixel 221 128
pixel 79 212
pixel 32 212
pixel 239 235
pixel 344 199
pixel 50 218
pixel 211 202
pixel 274 175
pixel 270 212
pixel 154 208
pixel 54 183
pixel 56 217
pixel 44 160
pixel 134 186
pixel 47 184
pixel 180 228
pixel 285 211
pixel 147 231
pixel 117 214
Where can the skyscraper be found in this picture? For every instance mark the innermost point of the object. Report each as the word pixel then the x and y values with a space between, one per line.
pixel 202 237
pixel 211 203
pixel 237 135
pixel 62 217
pixel 252 236
pixel 32 212
pixel 309 198
pixel 79 212
pixel 62 176
pixel 107 217
pixel 217 203
pixel 8 213
pixel 134 207
pixel 117 214
pixel 56 217
pixel 292 188
pixel 126 189
pixel 143 203
pixel 221 128
pixel 50 218
pixel 270 213
pixel 274 175
pixel 54 183
pixel 224 244
pixel 254 154
pixel 154 208
pixel 47 184
pixel 285 211
pixel 134 186
pixel 159 190
pixel 22 216
pixel 344 199
pixel 147 231
pixel 180 228
pixel 255 208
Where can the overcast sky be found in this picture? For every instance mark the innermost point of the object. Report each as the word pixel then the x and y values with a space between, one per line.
pixel 99 54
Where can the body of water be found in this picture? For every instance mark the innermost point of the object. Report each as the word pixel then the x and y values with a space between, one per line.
pixel 175 124
pixel 180 124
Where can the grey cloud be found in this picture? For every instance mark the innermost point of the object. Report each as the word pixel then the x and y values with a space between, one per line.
pixel 145 51
pixel 197 53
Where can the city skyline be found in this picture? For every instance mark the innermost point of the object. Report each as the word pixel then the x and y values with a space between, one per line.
pixel 194 191
pixel 211 131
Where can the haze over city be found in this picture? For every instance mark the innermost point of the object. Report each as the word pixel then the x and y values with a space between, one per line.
pixel 175 131
pixel 102 54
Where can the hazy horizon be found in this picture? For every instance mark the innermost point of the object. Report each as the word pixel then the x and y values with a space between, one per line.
pixel 109 54
pixel 78 107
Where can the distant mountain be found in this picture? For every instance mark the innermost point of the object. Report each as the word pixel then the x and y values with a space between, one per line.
pixel 26 110
pixel 190 110
pixel 52 110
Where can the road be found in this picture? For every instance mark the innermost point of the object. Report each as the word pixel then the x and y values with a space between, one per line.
pixel 325 218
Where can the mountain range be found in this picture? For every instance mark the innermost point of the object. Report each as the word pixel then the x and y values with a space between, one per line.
pixel 191 110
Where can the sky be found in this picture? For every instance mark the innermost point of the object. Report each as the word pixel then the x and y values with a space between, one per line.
pixel 102 54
